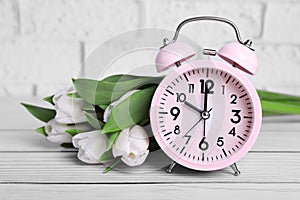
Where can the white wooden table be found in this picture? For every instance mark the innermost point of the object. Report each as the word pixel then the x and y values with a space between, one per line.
pixel 33 168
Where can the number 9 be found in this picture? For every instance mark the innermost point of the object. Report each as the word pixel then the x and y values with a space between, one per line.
pixel 175 111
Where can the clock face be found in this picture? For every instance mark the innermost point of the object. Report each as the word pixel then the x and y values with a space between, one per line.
pixel 205 115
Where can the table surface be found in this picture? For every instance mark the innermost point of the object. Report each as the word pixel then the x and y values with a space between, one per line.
pixel 33 168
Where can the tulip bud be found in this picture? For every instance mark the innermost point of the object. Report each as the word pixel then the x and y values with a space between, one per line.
pixel 132 144
pixel 68 109
pixel 91 146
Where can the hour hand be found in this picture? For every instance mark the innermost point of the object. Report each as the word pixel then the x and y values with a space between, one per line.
pixel 193 107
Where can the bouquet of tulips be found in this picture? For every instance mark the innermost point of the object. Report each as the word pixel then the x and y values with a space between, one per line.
pixel 108 120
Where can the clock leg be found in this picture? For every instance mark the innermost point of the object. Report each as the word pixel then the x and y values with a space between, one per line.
pixel 171 166
pixel 235 169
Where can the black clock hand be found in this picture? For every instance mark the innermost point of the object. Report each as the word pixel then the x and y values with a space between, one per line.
pixel 205 108
pixel 205 98
pixel 193 107
pixel 198 110
pixel 186 134
pixel 189 136
pixel 204 128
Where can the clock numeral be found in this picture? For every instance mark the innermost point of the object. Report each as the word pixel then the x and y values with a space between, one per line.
pixel 233 98
pixel 175 111
pixel 220 141
pixel 207 85
pixel 177 130
pixel 203 145
pixel 237 117
pixel 191 88
pixel 223 89
pixel 188 137
pixel 181 97
pixel 232 132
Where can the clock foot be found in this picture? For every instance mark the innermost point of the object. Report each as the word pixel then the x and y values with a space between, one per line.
pixel 235 169
pixel 171 166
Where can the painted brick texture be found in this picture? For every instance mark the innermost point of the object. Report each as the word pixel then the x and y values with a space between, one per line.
pixel 43 43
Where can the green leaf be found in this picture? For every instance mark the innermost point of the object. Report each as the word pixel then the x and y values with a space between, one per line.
pixel 87 107
pixel 145 122
pixel 49 99
pixel 111 139
pixel 104 92
pixel 115 162
pixel 132 110
pixel 279 107
pixel 43 114
pixel 93 121
pixel 73 95
pixel 107 155
pixel 42 131
pixel 278 97
pixel 103 106
pixel 67 145
pixel 73 132
pixel 119 77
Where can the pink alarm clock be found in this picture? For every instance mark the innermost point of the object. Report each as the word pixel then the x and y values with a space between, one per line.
pixel 205 114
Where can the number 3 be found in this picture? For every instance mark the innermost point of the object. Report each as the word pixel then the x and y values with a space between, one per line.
pixel 237 116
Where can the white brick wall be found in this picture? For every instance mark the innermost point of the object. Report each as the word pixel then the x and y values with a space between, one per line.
pixel 43 43
pixel 30 62
pixel 78 18
pixel 9 21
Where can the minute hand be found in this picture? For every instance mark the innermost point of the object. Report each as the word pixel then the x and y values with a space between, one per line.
pixel 205 98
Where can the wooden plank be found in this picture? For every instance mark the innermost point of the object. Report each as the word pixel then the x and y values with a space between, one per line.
pixel 28 140
pixel 63 167
pixel 19 140
pixel 151 191
pixel 281 141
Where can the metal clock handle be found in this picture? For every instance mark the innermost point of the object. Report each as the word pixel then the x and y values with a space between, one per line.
pixel 208 18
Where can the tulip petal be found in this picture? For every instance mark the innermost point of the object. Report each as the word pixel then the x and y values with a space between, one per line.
pixel 91 146
pixel 132 145
pixel 69 110
pixel 56 132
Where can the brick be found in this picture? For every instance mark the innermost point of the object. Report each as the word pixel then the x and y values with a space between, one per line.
pixel 282 23
pixel 78 18
pixel 248 16
pixel 9 18
pixel 126 57
pixel 278 66
pixel 34 61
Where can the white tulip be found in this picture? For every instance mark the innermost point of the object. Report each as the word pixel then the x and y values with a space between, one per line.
pixel 56 131
pixel 91 146
pixel 110 107
pixel 132 144
pixel 68 109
